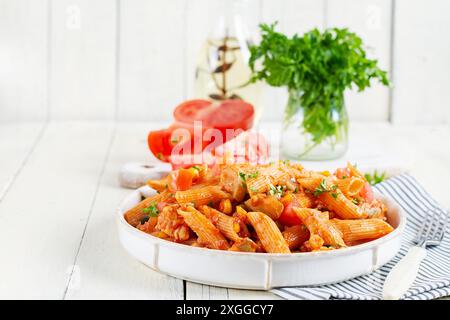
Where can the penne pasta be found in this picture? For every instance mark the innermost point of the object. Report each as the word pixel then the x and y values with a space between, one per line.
pixel 207 233
pixel 259 184
pixel 244 245
pixel 295 236
pixel 275 208
pixel 136 214
pixel 342 206
pixel 305 200
pixel 318 224
pixel 229 226
pixel 268 233
pixel 200 196
pixel 364 229
pixel 158 185
pixel 355 172
pixel 350 186
pixel 269 205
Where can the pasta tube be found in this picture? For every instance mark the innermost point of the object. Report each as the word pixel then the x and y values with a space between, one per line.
pixel 201 196
pixel 269 205
pixel 229 226
pixel 205 230
pixel 350 186
pixel 363 229
pixel 318 224
pixel 268 233
pixel 295 236
pixel 136 214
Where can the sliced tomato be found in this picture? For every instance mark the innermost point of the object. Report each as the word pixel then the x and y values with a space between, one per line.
pixel 159 144
pixel 190 110
pixel 288 216
pixel 230 114
pixel 367 193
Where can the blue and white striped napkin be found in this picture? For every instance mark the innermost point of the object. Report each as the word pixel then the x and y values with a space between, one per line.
pixel 433 280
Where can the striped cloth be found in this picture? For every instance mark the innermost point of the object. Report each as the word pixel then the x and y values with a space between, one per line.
pixel 433 280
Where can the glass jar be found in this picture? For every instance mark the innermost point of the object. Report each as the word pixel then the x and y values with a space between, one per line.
pixel 309 135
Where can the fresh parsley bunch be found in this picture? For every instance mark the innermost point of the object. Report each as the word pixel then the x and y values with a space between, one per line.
pixel 318 65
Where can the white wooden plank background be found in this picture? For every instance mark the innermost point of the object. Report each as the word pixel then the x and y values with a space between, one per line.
pixel 83 59
pixel 135 60
pixel 54 193
pixel 421 62
pixel 370 19
pixel 152 47
pixel 23 60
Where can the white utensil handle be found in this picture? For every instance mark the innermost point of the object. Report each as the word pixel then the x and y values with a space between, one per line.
pixel 403 274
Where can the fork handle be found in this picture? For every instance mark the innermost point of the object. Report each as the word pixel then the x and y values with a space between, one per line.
pixel 403 274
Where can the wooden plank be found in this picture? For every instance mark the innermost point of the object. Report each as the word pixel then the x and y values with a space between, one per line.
pixel 370 19
pixel 23 60
pixel 83 59
pixel 105 270
pixel 17 140
pixel 45 212
pixel 421 62
pixel 196 291
pixel 293 16
pixel 152 35
pixel 234 294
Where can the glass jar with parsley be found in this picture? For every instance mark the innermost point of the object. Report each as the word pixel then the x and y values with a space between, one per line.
pixel 316 68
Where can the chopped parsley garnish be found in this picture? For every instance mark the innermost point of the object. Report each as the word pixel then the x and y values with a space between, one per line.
pixel 276 191
pixel 245 176
pixel 254 189
pixel 375 178
pixel 355 201
pixel 323 188
pixel 151 211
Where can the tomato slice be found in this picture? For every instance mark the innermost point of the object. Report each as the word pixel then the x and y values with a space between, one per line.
pixel 289 217
pixel 231 114
pixel 159 144
pixel 189 110
pixel 367 193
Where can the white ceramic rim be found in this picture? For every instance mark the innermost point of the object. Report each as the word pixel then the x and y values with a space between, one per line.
pixel 338 252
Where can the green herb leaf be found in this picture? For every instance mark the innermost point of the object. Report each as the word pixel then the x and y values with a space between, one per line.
pixel 375 178
pixel 321 188
pixel 276 191
pixel 317 68
pixel 151 211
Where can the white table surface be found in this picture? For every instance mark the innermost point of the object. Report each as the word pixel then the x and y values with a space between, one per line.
pixel 59 191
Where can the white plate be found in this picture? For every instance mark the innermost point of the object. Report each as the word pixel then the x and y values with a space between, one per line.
pixel 261 271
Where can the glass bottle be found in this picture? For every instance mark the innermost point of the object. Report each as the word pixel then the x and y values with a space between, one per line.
pixel 222 70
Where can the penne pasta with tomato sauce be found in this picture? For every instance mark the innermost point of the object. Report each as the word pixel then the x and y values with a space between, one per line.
pixel 272 208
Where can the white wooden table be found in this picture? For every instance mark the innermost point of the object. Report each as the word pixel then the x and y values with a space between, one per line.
pixel 59 191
